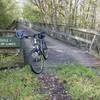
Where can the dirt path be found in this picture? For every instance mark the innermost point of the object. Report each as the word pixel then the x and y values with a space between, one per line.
pixel 52 86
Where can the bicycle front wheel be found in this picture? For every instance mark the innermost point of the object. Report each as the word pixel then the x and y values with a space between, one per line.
pixel 36 62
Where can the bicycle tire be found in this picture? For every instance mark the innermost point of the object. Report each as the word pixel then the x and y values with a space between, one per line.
pixel 36 65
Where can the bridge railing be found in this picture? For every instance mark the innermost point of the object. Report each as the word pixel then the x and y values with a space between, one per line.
pixel 60 28
pixel 90 37
pixel 86 39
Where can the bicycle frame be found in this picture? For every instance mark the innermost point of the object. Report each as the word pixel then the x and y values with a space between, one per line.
pixel 38 47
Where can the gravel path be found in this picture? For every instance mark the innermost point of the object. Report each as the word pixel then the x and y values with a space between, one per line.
pixel 60 52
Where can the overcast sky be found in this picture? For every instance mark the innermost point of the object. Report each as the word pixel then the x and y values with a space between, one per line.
pixel 20 2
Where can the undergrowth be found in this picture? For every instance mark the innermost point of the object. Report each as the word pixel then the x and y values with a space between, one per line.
pixel 81 82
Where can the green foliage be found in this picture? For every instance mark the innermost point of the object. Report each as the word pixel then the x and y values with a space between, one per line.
pixel 4 57
pixel 81 82
pixel 19 84
pixel 11 60
pixel 31 13
pixel 78 13
pixel 8 12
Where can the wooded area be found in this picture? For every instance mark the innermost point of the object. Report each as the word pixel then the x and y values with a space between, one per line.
pixel 9 11
pixel 63 14
pixel 77 13
pixel 70 71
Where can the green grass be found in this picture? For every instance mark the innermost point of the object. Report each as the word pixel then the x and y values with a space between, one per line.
pixel 10 57
pixel 7 57
pixel 11 60
pixel 81 82
pixel 19 84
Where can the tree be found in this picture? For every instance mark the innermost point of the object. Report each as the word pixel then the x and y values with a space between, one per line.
pixel 77 13
pixel 8 12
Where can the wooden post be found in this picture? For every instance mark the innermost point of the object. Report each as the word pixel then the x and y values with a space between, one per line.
pixel 93 40
pixel 70 32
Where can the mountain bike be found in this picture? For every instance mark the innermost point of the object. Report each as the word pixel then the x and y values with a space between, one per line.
pixel 38 54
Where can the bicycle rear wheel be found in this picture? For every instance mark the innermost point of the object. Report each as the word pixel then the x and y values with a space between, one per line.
pixel 36 62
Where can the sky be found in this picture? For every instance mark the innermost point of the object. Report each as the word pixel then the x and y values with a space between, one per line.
pixel 20 2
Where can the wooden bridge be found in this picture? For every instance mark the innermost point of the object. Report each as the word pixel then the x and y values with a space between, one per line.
pixel 87 38
pixel 66 51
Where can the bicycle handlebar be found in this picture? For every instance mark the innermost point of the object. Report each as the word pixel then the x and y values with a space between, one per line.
pixel 22 34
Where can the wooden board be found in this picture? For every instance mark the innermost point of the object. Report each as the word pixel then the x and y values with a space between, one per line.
pixel 9 50
pixel 80 39
pixel 88 31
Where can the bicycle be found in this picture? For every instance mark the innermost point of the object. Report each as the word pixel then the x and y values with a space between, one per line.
pixel 38 54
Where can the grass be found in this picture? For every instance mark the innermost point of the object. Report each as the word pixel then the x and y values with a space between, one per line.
pixel 11 60
pixel 7 57
pixel 10 57
pixel 81 82
pixel 19 84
